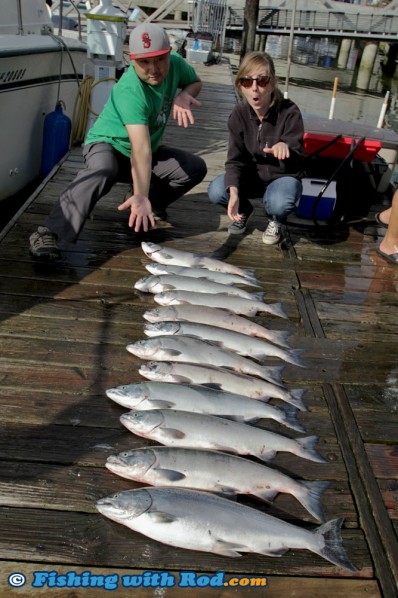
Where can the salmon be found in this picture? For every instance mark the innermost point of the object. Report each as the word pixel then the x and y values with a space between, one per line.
pixel 200 399
pixel 238 305
pixel 197 430
pixel 216 317
pixel 223 277
pixel 221 379
pixel 188 349
pixel 177 257
pixel 197 520
pixel 214 471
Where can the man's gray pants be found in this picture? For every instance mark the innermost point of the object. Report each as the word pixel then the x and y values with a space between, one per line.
pixel 174 173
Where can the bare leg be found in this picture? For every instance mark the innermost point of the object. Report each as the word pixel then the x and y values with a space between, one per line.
pixel 389 244
pixel 384 216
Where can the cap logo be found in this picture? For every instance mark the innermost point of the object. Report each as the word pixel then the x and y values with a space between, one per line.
pixel 146 40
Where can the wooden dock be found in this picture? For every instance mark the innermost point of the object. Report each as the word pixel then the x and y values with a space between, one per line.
pixel 64 329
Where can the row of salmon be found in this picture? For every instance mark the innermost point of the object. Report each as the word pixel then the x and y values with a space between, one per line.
pixel 203 393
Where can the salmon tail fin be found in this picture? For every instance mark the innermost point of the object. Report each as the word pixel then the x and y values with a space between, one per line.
pixel 293 356
pixel 259 296
pixel 309 496
pixel 279 337
pixel 250 274
pixel 290 419
pixel 273 374
pixel 308 445
pixel 251 282
pixel 275 309
pixel 333 550
pixel 296 398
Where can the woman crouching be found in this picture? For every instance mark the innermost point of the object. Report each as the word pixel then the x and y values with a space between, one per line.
pixel 265 150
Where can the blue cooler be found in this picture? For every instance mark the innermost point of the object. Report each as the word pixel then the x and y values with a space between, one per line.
pixel 311 190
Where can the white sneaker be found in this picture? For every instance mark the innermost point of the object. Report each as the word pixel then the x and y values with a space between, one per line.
pixel 272 233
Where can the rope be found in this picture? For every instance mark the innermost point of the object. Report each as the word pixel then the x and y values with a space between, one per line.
pixel 80 111
pixel 82 107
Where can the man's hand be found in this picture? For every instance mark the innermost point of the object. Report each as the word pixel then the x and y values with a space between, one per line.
pixel 182 108
pixel 141 212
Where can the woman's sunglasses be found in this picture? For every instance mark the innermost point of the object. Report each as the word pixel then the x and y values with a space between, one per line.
pixel 247 82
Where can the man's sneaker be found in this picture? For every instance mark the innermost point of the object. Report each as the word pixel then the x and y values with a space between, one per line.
pixel 43 245
pixel 272 233
pixel 238 227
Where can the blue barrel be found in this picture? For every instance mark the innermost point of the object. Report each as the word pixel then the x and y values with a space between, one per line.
pixel 327 61
pixel 56 135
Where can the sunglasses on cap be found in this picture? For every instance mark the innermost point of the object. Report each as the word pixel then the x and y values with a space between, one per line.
pixel 262 81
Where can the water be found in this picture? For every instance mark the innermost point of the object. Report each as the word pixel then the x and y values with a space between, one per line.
pixel 311 87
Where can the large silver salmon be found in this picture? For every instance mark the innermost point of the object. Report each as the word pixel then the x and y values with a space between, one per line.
pixel 220 379
pixel 178 257
pixel 197 430
pixel 229 340
pixel 189 349
pixel 222 277
pixel 200 399
pixel 216 317
pixel 214 471
pixel 238 305
pixel 203 521
pixel 172 282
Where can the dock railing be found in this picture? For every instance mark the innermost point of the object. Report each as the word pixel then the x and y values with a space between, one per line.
pixel 314 22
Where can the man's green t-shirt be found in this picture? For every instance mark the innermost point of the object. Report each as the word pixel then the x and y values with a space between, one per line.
pixel 133 102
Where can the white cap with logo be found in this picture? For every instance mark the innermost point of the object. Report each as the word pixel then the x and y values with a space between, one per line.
pixel 148 40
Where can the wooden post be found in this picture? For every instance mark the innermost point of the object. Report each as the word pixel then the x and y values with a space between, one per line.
pixel 290 49
pixel 383 111
pixel 333 102
pixel 249 26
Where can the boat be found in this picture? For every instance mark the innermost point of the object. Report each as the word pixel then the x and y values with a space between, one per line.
pixel 38 69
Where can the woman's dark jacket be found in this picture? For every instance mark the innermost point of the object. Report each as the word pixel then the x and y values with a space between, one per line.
pixel 247 137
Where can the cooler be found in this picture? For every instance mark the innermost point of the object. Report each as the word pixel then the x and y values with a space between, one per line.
pixel 311 190
pixel 366 151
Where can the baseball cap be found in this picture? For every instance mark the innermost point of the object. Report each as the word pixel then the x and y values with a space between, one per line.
pixel 147 40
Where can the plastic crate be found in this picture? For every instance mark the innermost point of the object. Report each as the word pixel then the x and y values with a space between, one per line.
pixel 198 56
pixel 366 151
pixel 199 44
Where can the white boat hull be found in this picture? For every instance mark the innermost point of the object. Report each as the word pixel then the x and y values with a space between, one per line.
pixel 34 73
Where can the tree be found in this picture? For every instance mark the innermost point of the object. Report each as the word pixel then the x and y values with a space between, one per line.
pixel 250 17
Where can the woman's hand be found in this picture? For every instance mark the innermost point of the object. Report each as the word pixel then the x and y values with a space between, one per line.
pixel 233 208
pixel 280 150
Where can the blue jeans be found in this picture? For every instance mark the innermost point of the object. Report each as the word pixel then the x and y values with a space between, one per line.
pixel 279 196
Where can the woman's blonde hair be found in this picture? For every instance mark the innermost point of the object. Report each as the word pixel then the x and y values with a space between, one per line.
pixel 250 61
